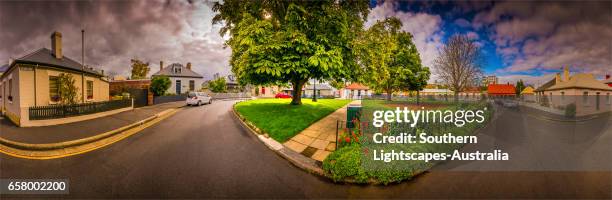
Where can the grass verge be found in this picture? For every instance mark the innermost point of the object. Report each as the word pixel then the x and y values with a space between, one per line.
pixel 282 121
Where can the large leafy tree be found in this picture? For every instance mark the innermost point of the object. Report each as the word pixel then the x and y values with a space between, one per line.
pixel 390 61
pixel 139 69
pixel 417 81
pixel 277 41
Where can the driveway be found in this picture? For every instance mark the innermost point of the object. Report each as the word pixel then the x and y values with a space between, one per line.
pixel 201 152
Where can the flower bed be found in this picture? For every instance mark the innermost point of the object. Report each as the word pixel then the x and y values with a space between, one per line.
pixel 353 159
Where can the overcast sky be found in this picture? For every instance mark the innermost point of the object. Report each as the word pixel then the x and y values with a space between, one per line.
pixel 521 40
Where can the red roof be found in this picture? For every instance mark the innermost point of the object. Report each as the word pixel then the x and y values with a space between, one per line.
pixel 501 89
pixel 356 86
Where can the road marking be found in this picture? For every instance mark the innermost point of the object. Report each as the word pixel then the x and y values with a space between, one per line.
pixel 121 136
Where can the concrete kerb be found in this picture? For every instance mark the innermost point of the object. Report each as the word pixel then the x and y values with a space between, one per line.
pixel 73 147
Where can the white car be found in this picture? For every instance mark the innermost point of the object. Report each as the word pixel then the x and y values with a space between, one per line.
pixel 198 98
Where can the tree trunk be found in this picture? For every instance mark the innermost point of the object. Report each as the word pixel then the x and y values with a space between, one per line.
pixel 456 96
pixel 418 95
pixel 389 93
pixel 296 94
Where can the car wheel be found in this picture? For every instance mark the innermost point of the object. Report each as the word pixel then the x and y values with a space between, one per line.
pixel 210 101
pixel 199 103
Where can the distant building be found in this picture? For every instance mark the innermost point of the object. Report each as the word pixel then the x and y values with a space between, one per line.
pixel 182 78
pixel 323 90
pixel 435 92
pixel 231 83
pixel 607 80
pixel 588 94
pixel 355 91
pixel 501 90
pixel 528 94
pixel 470 93
pixel 268 91
pixel 489 80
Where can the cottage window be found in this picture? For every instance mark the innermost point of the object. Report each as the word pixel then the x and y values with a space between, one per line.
pixel 585 98
pixel 54 88
pixel 177 70
pixel 191 85
pixel 89 89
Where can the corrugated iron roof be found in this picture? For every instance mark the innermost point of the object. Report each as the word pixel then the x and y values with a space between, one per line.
pixel 45 57
pixel 356 86
pixel 184 72
pixel 501 89
pixel 582 80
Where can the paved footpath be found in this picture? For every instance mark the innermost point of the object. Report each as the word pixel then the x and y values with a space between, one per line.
pixel 82 129
pixel 319 139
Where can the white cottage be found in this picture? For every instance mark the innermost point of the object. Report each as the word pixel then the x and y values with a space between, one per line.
pixel 183 79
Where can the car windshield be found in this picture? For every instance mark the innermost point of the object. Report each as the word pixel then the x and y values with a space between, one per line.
pixel 191 94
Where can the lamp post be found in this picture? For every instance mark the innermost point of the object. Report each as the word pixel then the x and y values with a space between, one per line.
pixel 314 91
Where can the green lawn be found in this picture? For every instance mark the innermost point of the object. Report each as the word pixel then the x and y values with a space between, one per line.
pixel 282 121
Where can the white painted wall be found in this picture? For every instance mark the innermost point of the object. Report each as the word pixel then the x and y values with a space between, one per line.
pixel 184 84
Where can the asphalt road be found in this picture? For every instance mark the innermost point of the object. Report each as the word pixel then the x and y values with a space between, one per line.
pixel 201 152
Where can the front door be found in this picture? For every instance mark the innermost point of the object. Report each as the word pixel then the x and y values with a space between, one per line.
pixel 178 87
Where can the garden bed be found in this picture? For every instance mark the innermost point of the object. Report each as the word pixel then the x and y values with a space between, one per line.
pixel 353 161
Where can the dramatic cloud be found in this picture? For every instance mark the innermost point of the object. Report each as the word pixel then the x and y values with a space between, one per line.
pixel 425 28
pixel 549 35
pixel 527 79
pixel 462 23
pixel 117 31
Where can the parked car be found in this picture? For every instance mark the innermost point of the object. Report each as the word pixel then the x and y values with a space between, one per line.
pixel 198 98
pixel 282 96
pixel 510 104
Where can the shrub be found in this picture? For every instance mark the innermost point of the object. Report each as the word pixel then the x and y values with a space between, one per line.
pixel 344 163
pixel 159 85
pixel 217 85
pixel 570 110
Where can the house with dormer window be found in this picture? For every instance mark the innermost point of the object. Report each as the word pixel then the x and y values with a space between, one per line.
pixel 183 78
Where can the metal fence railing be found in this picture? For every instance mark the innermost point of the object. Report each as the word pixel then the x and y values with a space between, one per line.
pixel 347 131
pixel 237 95
pixel 171 98
pixel 61 111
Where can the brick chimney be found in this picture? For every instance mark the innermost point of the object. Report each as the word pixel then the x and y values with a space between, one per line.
pixel 56 45
pixel 557 78
pixel 607 76
pixel 566 74
pixel 161 65
pixel 189 65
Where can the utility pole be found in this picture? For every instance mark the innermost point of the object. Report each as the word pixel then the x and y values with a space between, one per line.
pixel 83 65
